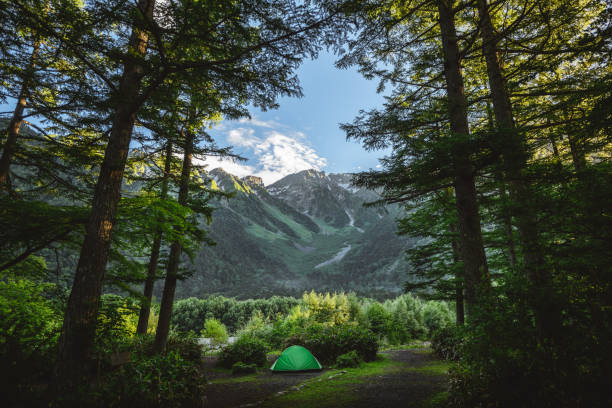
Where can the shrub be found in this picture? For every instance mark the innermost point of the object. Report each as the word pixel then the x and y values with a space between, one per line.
pixel 330 309
pixel 184 344
pixel 379 319
pixel 347 360
pixel 241 368
pixel 446 343
pixel 215 330
pixel 113 326
pixel 258 327
pixel 329 342
pixel 29 328
pixel 166 380
pixel 247 349
pixel 437 315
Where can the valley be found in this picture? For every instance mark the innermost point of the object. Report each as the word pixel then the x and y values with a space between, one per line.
pixel 307 230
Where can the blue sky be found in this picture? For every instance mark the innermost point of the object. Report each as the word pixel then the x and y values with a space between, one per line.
pixel 304 133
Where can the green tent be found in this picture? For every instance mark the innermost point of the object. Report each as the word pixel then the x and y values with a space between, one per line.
pixel 296 358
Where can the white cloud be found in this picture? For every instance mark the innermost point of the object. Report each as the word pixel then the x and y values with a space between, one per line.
pixel 270 124
pixel 274 154
pixel 236 168
pixel 279 155
pixel 242 137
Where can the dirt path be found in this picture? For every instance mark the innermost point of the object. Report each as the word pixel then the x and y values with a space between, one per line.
pixel 409 378
pixel 226 391
pixel 405 388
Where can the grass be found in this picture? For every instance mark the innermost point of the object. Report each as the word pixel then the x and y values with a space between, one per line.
pixel 336 387
pixel 433 368
pixel 332 388
pixel 304 233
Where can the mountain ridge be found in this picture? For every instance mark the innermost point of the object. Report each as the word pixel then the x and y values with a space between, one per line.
pixel 308 230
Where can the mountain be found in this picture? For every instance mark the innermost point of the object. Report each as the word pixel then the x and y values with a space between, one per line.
pixel 308 230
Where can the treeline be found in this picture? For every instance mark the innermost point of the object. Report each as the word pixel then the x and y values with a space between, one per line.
pixel 396 321
pixel 497 121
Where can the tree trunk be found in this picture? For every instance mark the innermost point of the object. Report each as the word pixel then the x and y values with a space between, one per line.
pixel 576 145
pixel 459 307
pixel 506 215
pixel 10 146
pixel 165 312
pixel 78 331
pixel 476 273
pixel 145 307
pixel 507 224
pixel 514 154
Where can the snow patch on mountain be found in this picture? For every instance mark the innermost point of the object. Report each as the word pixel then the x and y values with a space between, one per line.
pixel 337 258
pixel 352 221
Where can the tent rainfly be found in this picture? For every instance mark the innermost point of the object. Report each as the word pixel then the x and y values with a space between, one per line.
pixel 296 358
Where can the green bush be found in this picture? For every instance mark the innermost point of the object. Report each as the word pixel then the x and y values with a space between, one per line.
pixel 348 360
pixel 446 343
pixel 247 349
pixel 215 330
pixel 241 368
pixel 166 380
pixel 437 315
pixel 184 344
pixel 328 342
pixel 504 364
pixel 379 319
pixel 113 328
pixel 29 328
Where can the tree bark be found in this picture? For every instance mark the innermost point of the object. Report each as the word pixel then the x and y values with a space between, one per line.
pixel 145 307
pixel 14 126
pixel 165 312
pixel 476 273
pixel 506 215
pixel 507 224
pixel 79 327
pixel 576 145
pixel 459 307
pixel 514 153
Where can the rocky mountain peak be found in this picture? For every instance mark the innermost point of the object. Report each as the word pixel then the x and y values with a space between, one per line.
pixel 312 173
pixel 254 181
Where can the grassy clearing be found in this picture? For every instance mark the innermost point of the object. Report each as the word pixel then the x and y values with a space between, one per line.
pixel 304 233
pixel 433 368
pixel 333 387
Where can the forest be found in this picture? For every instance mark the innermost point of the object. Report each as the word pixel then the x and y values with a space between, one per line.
pixel 497 133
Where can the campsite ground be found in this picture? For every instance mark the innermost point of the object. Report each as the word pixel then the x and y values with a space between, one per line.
pixel 398 378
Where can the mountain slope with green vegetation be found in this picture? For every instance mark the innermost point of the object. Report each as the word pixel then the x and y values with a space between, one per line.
pixel 308 230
